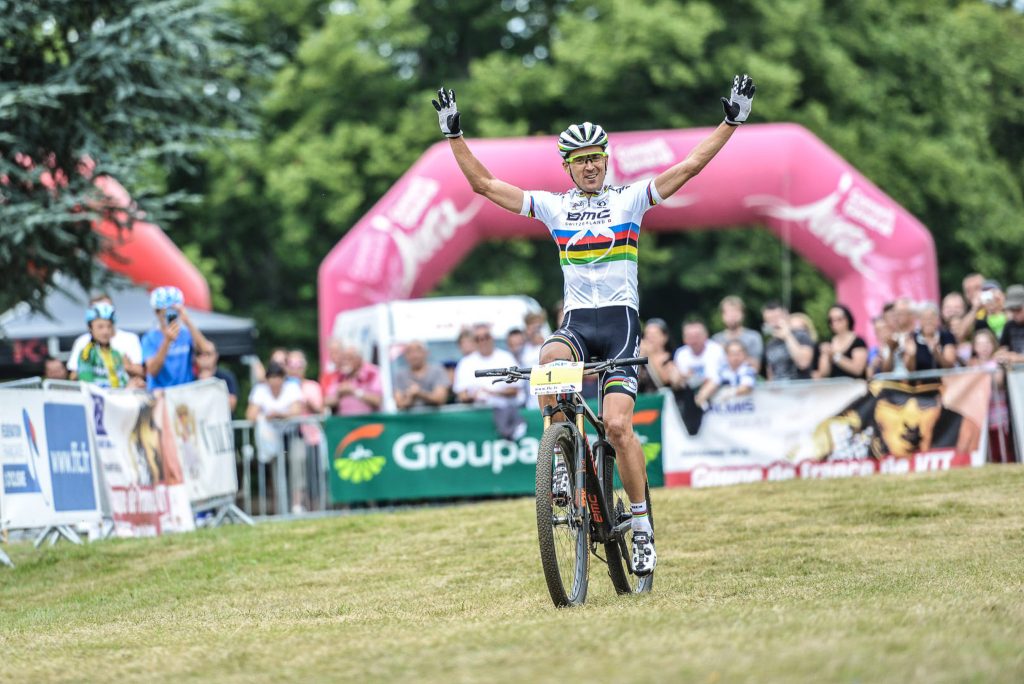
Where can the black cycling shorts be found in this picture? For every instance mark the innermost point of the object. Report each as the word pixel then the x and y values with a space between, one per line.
pixel 611 332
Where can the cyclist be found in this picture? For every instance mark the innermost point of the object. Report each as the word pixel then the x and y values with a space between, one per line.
pixel 596 227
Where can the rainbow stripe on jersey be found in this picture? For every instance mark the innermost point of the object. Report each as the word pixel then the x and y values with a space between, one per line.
pixel 616 244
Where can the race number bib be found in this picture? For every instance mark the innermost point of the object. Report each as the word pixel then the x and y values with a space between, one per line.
pixel 557 377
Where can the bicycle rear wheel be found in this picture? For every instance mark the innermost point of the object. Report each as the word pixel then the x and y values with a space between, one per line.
pixel 619 550
pixel 563 527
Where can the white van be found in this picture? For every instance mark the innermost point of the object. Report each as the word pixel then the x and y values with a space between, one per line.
pixel 381 331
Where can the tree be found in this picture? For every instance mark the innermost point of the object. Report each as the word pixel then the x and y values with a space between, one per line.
pixel 103 88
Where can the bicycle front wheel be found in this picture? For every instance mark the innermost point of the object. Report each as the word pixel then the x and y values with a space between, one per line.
pixel 563 523
pixel 619 550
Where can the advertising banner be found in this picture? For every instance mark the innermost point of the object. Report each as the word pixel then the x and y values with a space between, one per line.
pixel 823 429
pixel 46 458
pixel 206 444
pixel 142 473
pixel 1015 390
pixel 449 454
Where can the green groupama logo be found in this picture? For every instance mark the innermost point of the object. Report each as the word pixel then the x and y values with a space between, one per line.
pixel 360 464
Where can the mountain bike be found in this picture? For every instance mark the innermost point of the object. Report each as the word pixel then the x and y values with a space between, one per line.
pixel 594 511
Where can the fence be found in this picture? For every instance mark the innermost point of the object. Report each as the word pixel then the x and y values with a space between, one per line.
pixel 283 465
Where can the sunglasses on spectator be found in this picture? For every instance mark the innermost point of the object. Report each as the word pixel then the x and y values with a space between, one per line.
pixel 482 338
pixel 581 160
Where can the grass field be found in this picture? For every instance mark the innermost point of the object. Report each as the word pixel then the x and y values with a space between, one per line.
pixel 917 578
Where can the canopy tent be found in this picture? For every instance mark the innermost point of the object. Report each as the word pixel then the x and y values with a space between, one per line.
pixel 26 336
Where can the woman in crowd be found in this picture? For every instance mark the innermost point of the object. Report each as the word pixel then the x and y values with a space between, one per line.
pixel 984 348
pixel 935 347
pixel 846 354
pixel 660 371
pixel 801 321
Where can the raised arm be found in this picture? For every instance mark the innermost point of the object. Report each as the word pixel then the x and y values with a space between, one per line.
pixel 737 109
pixel 483 182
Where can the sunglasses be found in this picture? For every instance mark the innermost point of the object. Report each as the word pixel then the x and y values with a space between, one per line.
pixel 483 338
pixel 581 160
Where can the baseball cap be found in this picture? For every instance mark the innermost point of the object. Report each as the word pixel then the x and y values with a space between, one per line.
pixel 991 285
pixel 1015 297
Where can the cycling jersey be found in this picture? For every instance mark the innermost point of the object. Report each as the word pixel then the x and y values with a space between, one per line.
pixel 597 240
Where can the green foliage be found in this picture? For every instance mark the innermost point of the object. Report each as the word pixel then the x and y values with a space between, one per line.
pixel 125 88
pixel 923 97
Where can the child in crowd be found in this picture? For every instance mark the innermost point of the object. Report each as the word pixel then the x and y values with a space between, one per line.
pixel 99 363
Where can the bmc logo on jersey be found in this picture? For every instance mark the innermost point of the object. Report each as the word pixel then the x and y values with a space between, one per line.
pixel 588 215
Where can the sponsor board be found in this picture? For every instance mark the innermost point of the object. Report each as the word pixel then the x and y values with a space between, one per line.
pixel 825 429
pixel 449 454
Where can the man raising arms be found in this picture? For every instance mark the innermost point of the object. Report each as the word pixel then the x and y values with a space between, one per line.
pixel 596 228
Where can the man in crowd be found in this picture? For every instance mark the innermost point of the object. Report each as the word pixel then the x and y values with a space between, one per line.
pixel 699 359
pixel 207 366
pixel 354 387
pixel 127 343
pixel 168 350
pixel 788 353
pixel 736 373
pixel 98 362
pixel 732 312
pixel 54 369
pixel 504 398
pixel 421 383
pixel 1011 342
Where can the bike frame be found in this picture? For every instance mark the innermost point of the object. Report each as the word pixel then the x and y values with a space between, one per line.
pixel 589 478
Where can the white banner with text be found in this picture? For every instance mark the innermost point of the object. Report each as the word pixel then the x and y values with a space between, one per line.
pixel 825 429
pixel 202 432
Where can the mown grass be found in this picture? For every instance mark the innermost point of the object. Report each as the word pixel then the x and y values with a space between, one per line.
pixel 917 578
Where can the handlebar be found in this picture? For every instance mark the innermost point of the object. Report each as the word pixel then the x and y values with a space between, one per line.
pixel 516 373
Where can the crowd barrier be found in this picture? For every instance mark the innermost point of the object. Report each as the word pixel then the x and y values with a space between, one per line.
pixel 117 462
pixel 140 465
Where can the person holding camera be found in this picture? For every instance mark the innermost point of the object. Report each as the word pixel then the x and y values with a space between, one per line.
pixel 168 351
pixel 788 353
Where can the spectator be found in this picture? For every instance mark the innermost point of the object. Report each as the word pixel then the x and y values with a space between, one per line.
pixel 312 395
pixel 534 338
pixel 699 359
pixel 737 372
pixel 879 353
pixel 274 399
pixel 420 383
pixel 98 362
pixel 502 397
pixel 1011 342
pixel 54 369
pixel 481 391
pixel 801 322
pixel 278 355
pixel 993 313
pixel 972 285
pixel 985 356
pixel 660 370
pixel 207 366
pixel 954 310
pixel 516 343
pixel 466 343
pixel 354 388
pixel 974 309
pixel 271 402
pixel 168 349
pixel 933 346
pixel 123 341
pixel 732 312
pixel 788 353
pixel 901 340
pixel 846 354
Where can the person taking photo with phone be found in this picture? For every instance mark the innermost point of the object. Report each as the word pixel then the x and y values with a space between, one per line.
pixel 168 350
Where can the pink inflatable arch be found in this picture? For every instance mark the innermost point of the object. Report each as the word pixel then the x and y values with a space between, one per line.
pixel 778 175
pixel 146 255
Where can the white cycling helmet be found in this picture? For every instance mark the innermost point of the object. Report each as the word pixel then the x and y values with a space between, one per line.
pixel 581 135
pixel 165 297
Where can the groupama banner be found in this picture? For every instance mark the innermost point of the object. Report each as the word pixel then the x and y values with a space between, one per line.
pixel 449 454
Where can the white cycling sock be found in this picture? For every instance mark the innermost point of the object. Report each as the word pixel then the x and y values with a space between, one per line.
pixel 641 521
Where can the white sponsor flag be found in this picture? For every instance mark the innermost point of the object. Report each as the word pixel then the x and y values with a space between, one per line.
pixel 46 459
pixel 141 470
pixel 202 431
